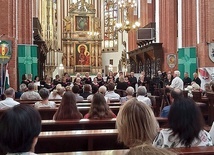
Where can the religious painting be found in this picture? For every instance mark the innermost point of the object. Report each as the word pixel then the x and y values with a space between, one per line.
pixel 82 54
pixel 171 60
pixel 82 23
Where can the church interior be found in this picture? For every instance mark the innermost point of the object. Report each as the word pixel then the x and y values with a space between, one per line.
pixel 106 77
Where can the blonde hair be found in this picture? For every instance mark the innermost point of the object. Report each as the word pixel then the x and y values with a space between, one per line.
pixel 59 90
pixel 136 124
pixel 146 149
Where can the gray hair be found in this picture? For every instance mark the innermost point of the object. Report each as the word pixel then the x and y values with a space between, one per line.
pixel 130 90
pixel 142 90
pixel 10 92
pixel 177 72
pixel 102 90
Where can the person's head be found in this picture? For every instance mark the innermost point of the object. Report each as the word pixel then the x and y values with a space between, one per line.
pixel 87 88
pixel 31 86
pixel 111 73
pixel 176 73
pixel 132 74
pixel 86 74
pixel 44 93
pixel 142 77
pixel 120 73
pixel 36 78
pixel 111 86
pixel 94 89
pixel 185 120
pixel 24 77
pixel 78 75
pixel 176 94
pixel 169 76
pixel 102 90
pixel 141 91
pixel 67 108
pixel 99 74
pixel 126 79
pixel 186 75
pixel 142 73
pixel 60 89
pixel 121 79
pixel 78 80
pixel 23 87
pixel 195 75
pixel 57 77
pixel 95 80
pixel 75 89
pixel 9 92
pixel 207 87
pixel 19 127
pixel 130 91
pixel 99 108
pixel 136 124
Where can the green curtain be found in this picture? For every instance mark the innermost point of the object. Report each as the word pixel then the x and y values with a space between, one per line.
pixel 187 61
pixel 27 61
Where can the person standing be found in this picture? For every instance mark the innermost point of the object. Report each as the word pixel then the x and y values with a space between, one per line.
pixel 177 82
pixel 187 80
pixel 196 79
pixel 132 80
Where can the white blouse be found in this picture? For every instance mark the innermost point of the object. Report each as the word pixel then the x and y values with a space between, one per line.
pixel 165 139
pixel 50 104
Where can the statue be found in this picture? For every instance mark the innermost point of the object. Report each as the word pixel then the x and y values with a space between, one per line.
pixel 71 60
pixel 64 59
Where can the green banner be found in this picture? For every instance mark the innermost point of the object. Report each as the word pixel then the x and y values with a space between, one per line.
pixel 27 61
pixel 187 61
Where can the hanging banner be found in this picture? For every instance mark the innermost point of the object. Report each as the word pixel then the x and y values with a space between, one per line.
pixel 27 61
pixel 5 51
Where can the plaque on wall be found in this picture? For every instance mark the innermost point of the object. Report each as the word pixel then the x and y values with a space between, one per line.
pixel 82 23
pixel 171 60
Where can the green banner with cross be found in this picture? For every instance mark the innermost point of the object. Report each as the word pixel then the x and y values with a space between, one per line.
pixel 27 60
pixel 187 61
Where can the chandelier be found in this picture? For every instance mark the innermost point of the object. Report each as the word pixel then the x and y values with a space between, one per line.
pixel 125 8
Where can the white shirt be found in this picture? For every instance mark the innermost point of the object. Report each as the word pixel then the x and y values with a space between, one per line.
pixel 8 103
pixel 177 82
pixel 50 104
pixel 144 100
pixel 112 95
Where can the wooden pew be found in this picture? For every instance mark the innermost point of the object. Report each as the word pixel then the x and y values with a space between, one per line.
pixel 210 96
pixel 87 124
pixel 77 140
pixel 181 151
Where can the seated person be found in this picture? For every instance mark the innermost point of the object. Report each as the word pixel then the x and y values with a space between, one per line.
pixel 94 91
pixel 57 93
pixel 185 127
pixel 22 89
pixel 129 95
pixel 30 94
pixel 175 94
pixel 75 90
pixel 110 93
pixel 9 101
pixel 86 91
pixel 44 93
pixel 135 132
pixel 99 108
pixel 68 108
pixel 19 127
pixel 141 95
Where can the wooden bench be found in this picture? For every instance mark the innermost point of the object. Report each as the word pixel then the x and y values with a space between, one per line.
pixel 181 151
pixel 87 124
pixel 77 140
